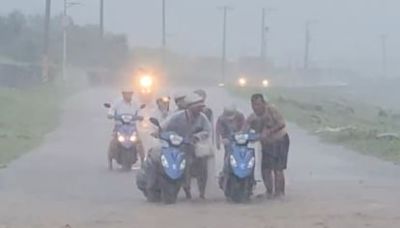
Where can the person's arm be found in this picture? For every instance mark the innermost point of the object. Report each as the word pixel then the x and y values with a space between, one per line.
pixel 241 121
pixel 218 133
pixel 247 123
pixel 112 111
pixel 277 119
pixel 205 133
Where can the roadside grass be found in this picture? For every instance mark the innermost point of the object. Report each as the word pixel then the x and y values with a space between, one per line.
pixel 26 116
pixel 336 118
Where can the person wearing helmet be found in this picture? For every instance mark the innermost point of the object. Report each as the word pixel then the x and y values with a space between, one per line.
pixel 193 124
pixel 179 99
pixel 230 122
pixel 206 110
pixel 163 107
pixel 124 105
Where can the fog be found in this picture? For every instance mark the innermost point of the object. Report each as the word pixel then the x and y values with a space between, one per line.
pixel 345 34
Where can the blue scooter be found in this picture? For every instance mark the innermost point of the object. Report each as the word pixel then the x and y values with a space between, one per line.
pixel 163 174
pixel 126 153
pixel 237 178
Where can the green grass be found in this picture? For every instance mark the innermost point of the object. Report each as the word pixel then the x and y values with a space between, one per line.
pixel 26 116
pixel 318 108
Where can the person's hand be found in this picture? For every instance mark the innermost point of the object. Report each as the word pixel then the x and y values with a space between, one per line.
pixel 225 141
pixel 195 139
pixel 155 134
pixel 265 134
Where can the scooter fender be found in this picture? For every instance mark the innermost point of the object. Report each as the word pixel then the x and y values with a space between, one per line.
pixel 173 162
pixel 244 161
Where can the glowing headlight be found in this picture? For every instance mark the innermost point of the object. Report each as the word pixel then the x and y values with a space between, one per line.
pixel 146 81
pixel 265 83
pixel 233 161
pixel 133 138
pixel 183 165
pixel 242 82
pixel 252 162
pixel 121 138
pixel 241 138
pixel 164 161
pixel 175 140
pixel 165 99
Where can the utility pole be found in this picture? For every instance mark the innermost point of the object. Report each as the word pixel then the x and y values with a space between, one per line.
pixel 67 4
pixel 101 18
pixel 384 55
pixel 164 25
pixel 64 58
pixel 45 67
pixel 223 63
pixel 263 35
pixel 307 44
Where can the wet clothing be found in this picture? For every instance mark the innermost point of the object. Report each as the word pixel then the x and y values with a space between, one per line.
pixel 185 125
pixel 120 106
pixel 275 155
pixel 225 127
pixel 210 116
pixel 275 147
pixel 271 125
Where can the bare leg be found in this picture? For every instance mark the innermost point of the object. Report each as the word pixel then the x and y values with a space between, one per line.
pixel 268 181
pixel 279 183
pixel 140 150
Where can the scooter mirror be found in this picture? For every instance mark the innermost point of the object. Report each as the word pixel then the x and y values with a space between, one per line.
pixel 155 122
pixel 107 105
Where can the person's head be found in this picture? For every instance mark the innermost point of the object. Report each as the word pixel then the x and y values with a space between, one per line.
pixel 163 103
pixel 258 103
pixel 230 112
pixel 127 94
pixel 195 104
pixel 180 100
pixel 202 93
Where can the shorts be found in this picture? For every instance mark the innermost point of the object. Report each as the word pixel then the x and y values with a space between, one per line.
pixel 275 155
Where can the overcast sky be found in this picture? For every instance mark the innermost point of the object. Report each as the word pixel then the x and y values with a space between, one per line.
pixel 346 32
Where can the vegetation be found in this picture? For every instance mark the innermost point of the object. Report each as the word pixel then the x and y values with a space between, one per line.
pixel 21 40
pixel 26 117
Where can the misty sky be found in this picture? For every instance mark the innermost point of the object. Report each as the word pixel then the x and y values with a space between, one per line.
pixel 347 32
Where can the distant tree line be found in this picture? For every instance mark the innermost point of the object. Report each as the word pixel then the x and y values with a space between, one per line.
pixel 22 41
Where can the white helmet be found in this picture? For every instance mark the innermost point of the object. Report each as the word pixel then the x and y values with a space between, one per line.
pixel 179 96
pixel 193 100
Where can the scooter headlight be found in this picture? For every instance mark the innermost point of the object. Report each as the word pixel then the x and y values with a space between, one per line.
pixel 133 137
pixel 241 138
pixel 164 162
pixel 233 161
pixel 176 140
pixel 121 138
pixel 252 162
pixel 183 165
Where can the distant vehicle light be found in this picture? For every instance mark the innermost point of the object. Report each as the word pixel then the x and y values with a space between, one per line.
pixel 265 83
pixel 242 82
pixel 146 81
